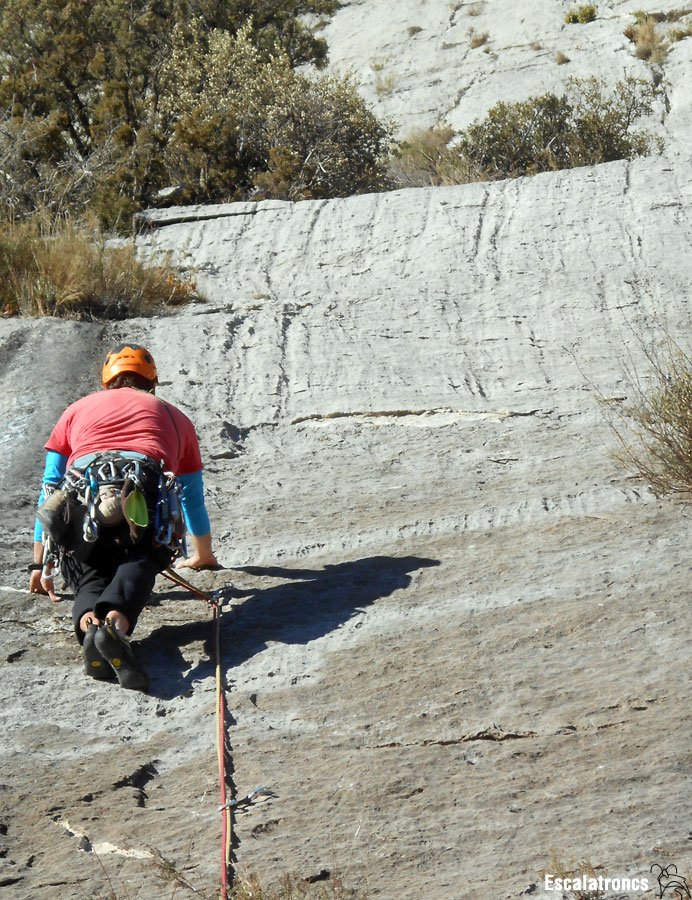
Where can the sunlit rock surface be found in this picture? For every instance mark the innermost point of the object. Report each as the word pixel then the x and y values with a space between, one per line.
pixel 456 637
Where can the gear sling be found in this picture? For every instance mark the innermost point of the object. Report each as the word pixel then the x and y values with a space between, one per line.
pixel 125 494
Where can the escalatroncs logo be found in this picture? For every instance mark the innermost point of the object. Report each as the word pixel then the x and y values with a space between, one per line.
pixel 671 885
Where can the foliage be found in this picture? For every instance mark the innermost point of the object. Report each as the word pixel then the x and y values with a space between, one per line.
pixel 92 70
pixel 477 39
pixel 672 15
pixel 70 274
pixel 603 122
pixel 426 159
pixel 679 34
pixel 520 138
pixel 279 23
pixel 249 125
pixel 585 126
pixel 649 42
pixel 581 15
pixel 329 143
pixel 652 44
pixel 87 119
pixel 655 429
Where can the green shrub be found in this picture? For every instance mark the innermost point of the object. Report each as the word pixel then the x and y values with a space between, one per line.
pixel 603 121
pixel 337 145
pixel 586 126
pixel 71 273
pixel 520 138
pixel 250 126
pixel 276 24
pixel 581 15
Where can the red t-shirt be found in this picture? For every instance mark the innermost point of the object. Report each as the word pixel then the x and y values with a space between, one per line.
pixel 127 419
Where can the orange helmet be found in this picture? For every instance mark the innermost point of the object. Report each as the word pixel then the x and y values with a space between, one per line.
pixel 129 358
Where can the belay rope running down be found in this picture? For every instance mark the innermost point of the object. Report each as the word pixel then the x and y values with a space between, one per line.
pixel 227 804
pixel 222 749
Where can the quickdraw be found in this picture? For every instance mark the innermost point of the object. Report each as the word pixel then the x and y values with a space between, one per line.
pixel 242 803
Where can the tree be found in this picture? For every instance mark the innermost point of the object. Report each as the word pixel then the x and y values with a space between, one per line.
pixel 85 81
pixel 279 23
pixel 246 124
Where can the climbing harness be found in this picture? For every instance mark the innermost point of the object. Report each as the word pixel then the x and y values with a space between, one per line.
pixel 105 490
pixel 215 601
pixel 132 480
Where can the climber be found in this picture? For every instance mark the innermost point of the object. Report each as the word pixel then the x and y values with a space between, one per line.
pixel 116 463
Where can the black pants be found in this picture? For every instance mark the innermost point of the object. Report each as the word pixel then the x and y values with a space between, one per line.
pixel 115 576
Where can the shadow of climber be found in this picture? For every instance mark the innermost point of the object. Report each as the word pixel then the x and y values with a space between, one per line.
pixel 313 602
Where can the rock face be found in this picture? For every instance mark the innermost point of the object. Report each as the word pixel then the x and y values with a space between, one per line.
pixel 454 643
pixel 449 62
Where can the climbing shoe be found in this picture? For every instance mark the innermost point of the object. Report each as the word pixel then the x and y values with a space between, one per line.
pixel 117 650
pixel 95 665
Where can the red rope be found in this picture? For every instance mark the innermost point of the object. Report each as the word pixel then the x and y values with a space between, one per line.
pixel 221 719
pixel 226 815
